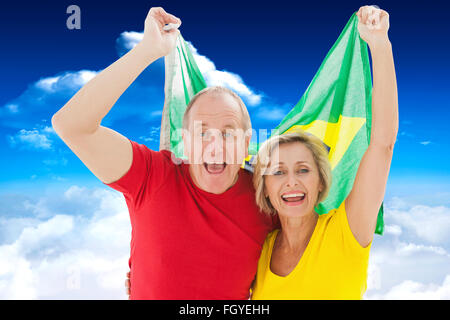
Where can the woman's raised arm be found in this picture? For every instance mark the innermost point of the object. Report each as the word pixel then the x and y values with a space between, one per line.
pixel 365 199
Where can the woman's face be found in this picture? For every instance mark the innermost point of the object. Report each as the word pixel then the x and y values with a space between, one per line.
pixel 292 181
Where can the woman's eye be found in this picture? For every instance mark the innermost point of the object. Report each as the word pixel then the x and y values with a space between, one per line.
pixel 303 170
pixel 227 135
pixel 277 173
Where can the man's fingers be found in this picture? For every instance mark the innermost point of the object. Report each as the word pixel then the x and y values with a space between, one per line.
pixel 127 284
pixel 174 19
pixel 128 274
pixel 163 17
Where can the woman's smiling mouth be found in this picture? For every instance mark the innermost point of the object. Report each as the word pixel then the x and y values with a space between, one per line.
pixel 293 198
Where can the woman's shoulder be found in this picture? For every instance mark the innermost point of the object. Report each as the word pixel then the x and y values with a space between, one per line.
pixel 337 223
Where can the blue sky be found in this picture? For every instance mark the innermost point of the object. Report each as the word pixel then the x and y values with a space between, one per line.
pixel 269 54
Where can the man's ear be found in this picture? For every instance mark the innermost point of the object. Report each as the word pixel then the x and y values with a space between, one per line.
pixel 248 138
pixel 186 142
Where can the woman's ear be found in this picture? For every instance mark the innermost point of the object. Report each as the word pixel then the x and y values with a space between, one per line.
pixel 321 185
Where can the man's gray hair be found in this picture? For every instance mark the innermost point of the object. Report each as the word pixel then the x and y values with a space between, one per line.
pixel 246 123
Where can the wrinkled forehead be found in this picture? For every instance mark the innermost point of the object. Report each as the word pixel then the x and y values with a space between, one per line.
pixel 216 111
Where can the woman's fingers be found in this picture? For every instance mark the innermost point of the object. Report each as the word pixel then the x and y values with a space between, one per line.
pixel 365 14
pixel 370 16
pixel 373 20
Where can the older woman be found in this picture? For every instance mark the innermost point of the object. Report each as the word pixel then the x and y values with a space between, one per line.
pixel 326 256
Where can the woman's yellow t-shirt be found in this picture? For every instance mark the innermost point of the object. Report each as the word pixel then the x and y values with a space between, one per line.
pixel 333 265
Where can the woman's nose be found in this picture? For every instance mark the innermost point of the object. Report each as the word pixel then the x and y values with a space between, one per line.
pixel 292 180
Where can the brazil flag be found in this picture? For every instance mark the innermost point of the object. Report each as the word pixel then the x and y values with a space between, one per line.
pixel 336 108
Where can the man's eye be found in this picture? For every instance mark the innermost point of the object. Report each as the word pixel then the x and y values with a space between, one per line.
pixel 227 134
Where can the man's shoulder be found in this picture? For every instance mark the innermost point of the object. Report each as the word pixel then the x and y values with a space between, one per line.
pixel 161 162
pixel 165 156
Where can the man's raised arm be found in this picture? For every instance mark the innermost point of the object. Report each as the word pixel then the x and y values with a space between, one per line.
pixel 105 152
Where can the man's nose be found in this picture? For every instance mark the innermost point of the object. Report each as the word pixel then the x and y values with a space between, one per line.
pixel 215 146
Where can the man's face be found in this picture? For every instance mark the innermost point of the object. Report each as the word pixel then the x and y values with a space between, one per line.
pixel 215 144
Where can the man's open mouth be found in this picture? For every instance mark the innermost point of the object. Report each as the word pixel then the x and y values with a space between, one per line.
pixel 215 168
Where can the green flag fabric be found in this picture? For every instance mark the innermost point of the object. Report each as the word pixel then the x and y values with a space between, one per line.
pixel 336 108
pixel 182 81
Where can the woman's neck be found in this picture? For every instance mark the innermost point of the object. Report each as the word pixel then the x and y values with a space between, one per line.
pixel 296 232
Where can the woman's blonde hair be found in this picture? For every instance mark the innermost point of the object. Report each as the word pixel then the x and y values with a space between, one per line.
pixel 320 155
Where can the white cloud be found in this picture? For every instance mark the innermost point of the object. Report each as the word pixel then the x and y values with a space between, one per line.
pixel 128 40
pixel 412 248
pixel 40 101
pixel 76 246
pixel 13 108
pixel 66 81
pixel 31 139
pixel 393 230
pixel 69 257
pixel 153 134
pixel 412 255
pixel 412 290
pixel 429 223
pixel 213 77
pixel 393 263
pixel 233 81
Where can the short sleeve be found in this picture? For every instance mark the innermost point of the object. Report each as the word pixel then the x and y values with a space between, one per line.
pixel 350 243
pixel 140 178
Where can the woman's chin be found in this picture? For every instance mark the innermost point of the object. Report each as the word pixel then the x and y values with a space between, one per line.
pixel 293 210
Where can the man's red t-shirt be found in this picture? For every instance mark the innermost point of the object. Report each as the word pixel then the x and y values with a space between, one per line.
pixel 187 243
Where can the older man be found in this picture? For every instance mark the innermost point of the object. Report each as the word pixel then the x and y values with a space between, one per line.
pixel 196 230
